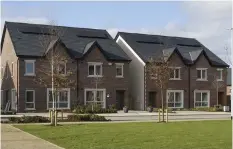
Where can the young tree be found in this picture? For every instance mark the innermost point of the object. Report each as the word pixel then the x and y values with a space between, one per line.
pixel 159 71
pixel 54 69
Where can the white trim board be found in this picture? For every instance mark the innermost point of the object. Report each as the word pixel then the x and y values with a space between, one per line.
pixel 131 50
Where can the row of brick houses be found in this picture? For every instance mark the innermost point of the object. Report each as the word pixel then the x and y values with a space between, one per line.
pixel 120 65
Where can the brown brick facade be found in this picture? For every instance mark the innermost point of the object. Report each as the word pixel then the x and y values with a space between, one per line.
pixel 188 82
pixel 79 67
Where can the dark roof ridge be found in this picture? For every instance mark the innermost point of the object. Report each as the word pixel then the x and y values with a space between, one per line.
pixel 151 34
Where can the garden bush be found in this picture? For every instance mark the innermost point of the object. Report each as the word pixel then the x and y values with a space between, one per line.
pixel 29 119
pixel 157 110
pixel 93 109
pixel 86 117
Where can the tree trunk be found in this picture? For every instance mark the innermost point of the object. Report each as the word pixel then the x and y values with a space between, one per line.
pixel 162 105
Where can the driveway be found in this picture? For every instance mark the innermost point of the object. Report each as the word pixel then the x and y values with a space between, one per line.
pixel 14 138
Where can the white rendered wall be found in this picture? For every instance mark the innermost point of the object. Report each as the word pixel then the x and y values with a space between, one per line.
pixel 136 71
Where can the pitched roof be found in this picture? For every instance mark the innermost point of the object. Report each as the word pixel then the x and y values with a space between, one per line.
pixel 190 49
pixel 229 76
pixel 25 40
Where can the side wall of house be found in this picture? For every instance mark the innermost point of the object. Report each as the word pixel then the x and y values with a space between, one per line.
pixel 136 72
pixel 109 81
pixel 31 82
pixel 9 76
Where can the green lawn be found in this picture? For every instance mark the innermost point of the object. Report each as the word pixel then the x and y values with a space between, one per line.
pixel 174 135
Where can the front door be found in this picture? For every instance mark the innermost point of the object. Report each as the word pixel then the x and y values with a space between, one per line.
pixel 220 98
pixel 120 96
pixel 152 99
pixel 13 100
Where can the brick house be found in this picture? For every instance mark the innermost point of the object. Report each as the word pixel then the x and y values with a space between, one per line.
pixel 195 69
pixel 92 54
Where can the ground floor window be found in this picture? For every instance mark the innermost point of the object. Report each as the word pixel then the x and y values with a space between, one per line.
pixel 175 98
pixel 201 98
pixel 95 96
pixel 62 98
pixel 29 99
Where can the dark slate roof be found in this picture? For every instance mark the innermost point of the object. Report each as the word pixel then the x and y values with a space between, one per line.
pixel 146 46
pixel 25 40
pixel 229 76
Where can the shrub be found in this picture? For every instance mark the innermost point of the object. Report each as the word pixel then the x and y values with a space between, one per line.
pixel 86 117
pixel 92 109
pixel 209 109
pixel 29 119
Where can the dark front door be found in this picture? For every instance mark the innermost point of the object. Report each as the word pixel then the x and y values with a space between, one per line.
pixel 152 99
pixel 220 98
pixel 120 96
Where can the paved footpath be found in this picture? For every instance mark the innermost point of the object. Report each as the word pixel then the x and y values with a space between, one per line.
pixel 14 138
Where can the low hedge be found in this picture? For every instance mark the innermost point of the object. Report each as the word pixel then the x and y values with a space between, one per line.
pixel 86 117
pixel 93 109
pixel 29 119
pixel 157 110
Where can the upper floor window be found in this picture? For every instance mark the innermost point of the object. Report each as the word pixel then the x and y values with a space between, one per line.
pixel 29 67
pixel 219 74
pixel 61 68
pixel 119 69
pixel 201 74
pixel 175 73
pixel 95 69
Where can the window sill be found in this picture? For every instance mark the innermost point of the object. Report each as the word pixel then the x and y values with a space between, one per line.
pixel 30 75
pixel 119 76
pixel 94 76
pixel 175 79
pixel 219 80
pixel 30 109
pixel 201 80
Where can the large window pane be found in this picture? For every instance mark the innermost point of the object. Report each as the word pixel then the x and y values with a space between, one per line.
pixel 204 97
pixel 30 96
pixel 177 73
pixel 29 67
pixel 198 96
pixel 91 70
pixel 171 97
pixel 199 74
pixel 178 97
pixel 119 71
pixel 204 104
pixel 98 70
pixel 203 74
pixel 198 104
pixel 89 96
pixel 99 96
pixel 63 96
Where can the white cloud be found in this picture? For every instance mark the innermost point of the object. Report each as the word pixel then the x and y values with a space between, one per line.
pixel 208 22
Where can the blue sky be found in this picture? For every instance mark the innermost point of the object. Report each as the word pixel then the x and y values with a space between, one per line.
pixel 99 14
pixel 206 21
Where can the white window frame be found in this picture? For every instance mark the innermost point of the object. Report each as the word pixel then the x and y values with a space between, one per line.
pixel 182 97
pixel 174 73
pixel 95 64
pixel 221 76
pixel 12 69
pixel 121 66
pixel 62 89
pixel 95 92
pixel 29 74
pixel 206 74
pixel 62 63
pixel 201 91
pixel 30 90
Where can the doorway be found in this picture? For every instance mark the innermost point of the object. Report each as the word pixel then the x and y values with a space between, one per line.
pixel 120 96
pixel 221 98
pixel 152 99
